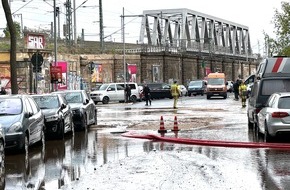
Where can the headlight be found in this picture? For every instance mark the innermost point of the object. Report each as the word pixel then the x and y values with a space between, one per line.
pixel 51 118
pixel 15 127
pixel 99 94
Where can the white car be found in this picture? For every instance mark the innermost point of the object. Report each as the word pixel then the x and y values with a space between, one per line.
pixel 183 90
pixel 110 92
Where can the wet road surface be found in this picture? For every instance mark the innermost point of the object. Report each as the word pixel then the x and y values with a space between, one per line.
pixel 101 158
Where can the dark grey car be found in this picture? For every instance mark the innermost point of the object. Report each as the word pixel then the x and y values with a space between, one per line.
pixel 22 121
pixel 83 107
pixel 57 114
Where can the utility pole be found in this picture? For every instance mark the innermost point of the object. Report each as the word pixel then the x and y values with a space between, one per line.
pixel 101 26
pixel 55 14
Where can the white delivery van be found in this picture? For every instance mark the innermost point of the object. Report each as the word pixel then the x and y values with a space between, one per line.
pixel 109 92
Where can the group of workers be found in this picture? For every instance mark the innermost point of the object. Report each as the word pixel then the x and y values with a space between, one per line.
pixel 239 87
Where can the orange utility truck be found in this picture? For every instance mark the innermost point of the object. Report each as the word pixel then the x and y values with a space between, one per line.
pixel 216 85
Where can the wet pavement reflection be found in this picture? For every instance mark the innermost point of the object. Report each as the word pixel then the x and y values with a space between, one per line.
pixel 62 162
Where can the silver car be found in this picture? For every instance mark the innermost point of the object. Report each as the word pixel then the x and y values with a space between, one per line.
pixel 2 146
pixel 274 118
pixel 83 108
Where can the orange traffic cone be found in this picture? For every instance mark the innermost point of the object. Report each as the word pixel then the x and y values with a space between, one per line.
pixel 162 128
pixel 175 126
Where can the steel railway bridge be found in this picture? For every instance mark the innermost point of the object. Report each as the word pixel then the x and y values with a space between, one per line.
pixel 184 30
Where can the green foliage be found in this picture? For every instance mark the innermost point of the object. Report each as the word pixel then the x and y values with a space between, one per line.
pixel 18 30
pixel 281 20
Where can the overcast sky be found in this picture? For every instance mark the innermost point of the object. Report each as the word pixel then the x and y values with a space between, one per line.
pixel 256 14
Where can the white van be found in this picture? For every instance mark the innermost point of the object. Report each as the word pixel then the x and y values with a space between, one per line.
pixel 114 92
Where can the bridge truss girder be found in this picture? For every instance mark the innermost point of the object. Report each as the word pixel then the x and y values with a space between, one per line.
pixel 184 28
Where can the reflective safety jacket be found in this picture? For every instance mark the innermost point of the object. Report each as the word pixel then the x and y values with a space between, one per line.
pixel 243 90
pixel 174 90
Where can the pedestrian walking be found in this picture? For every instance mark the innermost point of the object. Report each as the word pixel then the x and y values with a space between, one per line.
pixel 236 89
pixel 175 92
pixel 3 91
pixel 127 93
pixel 243 93
pixel 146 91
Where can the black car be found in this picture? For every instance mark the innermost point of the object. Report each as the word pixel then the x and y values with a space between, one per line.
pixel 57 114
pixel 160 90
pixel 22 121
pixel 196 87
pixel 83 107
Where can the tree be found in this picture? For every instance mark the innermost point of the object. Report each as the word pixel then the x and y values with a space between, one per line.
pixel 13 40
pixel 281 20
pixel 17 28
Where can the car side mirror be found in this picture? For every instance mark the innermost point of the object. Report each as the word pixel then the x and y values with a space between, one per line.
pixel 28 114
pixel 63 106
pixel 87 101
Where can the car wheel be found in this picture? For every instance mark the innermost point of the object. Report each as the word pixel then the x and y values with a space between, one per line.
pixel 250 125
pixel 207 97
pixel 25 144
pixel 2 153
pixel 96 117
pixel 106 100
pixel 133 99
pixel 267 136
pixel 60 130
pixel 84 124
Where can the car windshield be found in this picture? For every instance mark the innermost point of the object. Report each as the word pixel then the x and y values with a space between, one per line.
pixel 104 87
pixel 11 106
pixel 195 83
pixel 216 81
pixel 74 97
pixel 47 102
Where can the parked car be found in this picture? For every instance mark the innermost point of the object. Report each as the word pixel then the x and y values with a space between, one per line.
pixel 160 90
pixel 274 118
pixel 57 114
pixel 183 90
pixel 272 76
pixel 115 92
pixel 83 107
pixel 2 147
pixel 230 86
pixel 196 87
pixel 22 121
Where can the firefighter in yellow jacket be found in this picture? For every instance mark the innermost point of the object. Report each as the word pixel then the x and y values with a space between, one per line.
pixel 243 93
pixel 175 93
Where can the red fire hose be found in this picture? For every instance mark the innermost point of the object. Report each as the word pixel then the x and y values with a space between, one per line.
pixel 208 142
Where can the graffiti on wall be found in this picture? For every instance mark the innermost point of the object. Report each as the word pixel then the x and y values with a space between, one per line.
pixel 96 73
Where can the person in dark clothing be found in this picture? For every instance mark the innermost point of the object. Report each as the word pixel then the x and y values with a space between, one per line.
pixel 128 93
pixel 236 86
pixel 146 91
pixel 3 91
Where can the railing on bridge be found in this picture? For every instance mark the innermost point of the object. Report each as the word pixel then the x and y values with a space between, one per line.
pixel 196 48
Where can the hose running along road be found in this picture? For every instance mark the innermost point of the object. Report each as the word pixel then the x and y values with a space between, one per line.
pixel 208 142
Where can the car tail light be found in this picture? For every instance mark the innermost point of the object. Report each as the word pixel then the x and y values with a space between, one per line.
pixel 258 110
pixel 279 114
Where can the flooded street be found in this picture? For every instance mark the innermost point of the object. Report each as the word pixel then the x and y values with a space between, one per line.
pixel 102 158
